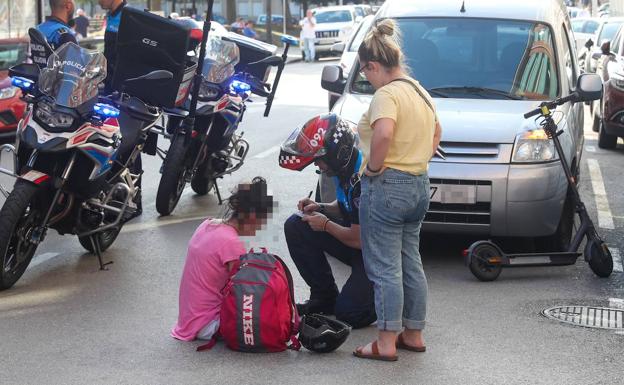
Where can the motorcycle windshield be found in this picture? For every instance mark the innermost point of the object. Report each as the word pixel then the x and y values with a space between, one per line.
pixel 72 75
pixel 221 57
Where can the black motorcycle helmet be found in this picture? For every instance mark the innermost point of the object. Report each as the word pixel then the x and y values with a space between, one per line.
pixel 322 334
pixel 326 136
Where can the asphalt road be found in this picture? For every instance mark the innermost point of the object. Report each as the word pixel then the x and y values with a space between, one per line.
pixel 66 322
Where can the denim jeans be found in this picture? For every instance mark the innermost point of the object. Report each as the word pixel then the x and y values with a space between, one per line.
pixel 309 49
pixel 392 208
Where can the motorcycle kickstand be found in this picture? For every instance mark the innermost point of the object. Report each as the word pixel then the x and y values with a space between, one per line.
pixel 96 248
pixel 216 187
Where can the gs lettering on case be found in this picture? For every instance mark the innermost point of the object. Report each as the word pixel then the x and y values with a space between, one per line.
pixel 248 319
pixel 150 42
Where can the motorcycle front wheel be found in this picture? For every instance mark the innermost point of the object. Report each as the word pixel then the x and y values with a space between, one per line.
pixel 18 217
pixel 201 183
pixel 173 178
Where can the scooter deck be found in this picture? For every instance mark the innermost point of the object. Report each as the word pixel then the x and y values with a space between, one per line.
pixel 540 259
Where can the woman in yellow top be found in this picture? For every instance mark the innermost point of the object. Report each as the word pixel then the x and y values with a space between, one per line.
pixel 398 136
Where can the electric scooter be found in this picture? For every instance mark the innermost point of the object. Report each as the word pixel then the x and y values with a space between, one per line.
pixel 486 259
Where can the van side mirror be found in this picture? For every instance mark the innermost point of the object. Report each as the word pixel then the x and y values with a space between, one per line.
pixel 589 43
pixel 588 87
pixel 605 48
pixel 333 79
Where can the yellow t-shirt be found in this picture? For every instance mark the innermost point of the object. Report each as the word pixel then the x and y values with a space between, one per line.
pixel 411 146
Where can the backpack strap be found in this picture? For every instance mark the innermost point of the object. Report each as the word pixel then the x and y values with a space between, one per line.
pixel 417 90
pixel 294 341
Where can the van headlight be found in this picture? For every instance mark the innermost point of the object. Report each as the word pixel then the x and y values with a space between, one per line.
pixel 533 146
pixel 46 115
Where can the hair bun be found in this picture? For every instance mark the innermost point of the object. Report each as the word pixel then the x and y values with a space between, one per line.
pixel 384 27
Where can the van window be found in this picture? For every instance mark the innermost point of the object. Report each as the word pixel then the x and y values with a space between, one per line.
pixel 568 59
pixel 478 58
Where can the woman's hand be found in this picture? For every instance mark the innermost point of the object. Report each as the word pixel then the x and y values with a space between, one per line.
pixel 317 221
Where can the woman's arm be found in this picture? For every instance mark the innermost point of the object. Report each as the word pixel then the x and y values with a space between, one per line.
pixel 383 131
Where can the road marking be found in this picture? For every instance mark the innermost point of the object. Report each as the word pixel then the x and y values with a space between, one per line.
pixel 154 224
pixel 617 260
pixel 590 148
pixel 605 218
pixel 266 153
pixel 616 303
pixel 41 258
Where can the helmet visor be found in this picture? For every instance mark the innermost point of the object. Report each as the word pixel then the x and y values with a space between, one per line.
pixel 309 140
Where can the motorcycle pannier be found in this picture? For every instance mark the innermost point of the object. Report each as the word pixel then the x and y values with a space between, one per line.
pixel 147 42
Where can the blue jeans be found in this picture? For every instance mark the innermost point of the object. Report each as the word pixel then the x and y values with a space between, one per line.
pixel 392 208
pixel 309 49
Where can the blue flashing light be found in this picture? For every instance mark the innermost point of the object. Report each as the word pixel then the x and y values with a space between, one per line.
pixel 239 87
pixel 105 110
pixel 287 39
pixel 22 83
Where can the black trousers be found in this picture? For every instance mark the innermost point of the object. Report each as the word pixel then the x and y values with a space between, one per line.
pixel 355 303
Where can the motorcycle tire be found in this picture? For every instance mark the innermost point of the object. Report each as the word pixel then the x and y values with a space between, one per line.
pixel 606 141
pixel 599 258
pixel 481 269
pixel 200 183
pixel 173 178
pixel 105 239
pixel 17 218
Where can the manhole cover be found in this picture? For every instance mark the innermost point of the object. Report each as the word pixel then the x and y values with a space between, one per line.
pixel 587 316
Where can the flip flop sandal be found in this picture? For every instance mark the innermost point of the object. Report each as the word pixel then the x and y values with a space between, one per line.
pixel 400 344
pixel 374 355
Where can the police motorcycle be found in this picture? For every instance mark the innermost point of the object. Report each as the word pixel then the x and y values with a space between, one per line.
pixel 66 159
pixel 211 147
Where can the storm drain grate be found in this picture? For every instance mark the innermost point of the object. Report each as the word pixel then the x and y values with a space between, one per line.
pixel 587 316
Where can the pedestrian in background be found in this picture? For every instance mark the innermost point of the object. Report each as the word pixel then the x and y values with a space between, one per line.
pixel 398 135
pixel 238 25
pixel 308 36
pixel 249 30
pixel 82 23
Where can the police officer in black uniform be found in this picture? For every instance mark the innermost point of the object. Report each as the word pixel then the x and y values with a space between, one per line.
pixel 55 29
pixel 329 142
pixel 128 130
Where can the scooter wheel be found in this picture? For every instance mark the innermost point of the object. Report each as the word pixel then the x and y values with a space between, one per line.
pixel 479 265
pixel 600 259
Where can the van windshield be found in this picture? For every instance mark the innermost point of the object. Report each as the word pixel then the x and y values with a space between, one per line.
pixel 478 58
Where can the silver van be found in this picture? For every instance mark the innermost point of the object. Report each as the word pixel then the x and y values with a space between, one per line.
pixel 486 64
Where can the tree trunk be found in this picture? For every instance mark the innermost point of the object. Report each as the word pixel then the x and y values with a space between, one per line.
pixel 173 4
pixel 231 11
pixel 269 22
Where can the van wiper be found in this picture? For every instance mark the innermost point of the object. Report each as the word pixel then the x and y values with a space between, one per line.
pixel 482 91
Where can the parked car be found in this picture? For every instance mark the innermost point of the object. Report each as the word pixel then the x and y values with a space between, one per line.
pixel 590 53
pixel 496 173
pixel 349 51
pixel 276 20
pixel 609 113
pixel 604 10
pixel 333 25
pixel 362 10
pixel 12 52
pixel 584 29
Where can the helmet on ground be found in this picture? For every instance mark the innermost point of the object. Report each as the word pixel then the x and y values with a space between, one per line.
pixel 322 334
pixel 326 136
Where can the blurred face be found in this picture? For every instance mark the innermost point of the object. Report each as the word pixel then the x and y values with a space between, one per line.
pixel 373 72
pixel 108 4
pixel 249 224
pixel 309 13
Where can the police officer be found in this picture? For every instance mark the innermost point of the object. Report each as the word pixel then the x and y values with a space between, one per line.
pixel 55 29
pixel 113 17
pixel 128 131
pixel 329 142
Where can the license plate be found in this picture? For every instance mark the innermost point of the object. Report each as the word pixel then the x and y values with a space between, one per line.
pixel 444 193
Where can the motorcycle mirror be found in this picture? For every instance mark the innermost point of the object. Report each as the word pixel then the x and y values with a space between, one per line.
pixel 290 40
pixel 25 70
pixel 270 60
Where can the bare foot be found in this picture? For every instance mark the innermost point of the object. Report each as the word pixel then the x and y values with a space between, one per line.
pixel 387 350
pixel 413 337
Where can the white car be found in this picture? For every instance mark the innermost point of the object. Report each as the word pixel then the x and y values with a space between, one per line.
pixel 333 25
pixel 584 29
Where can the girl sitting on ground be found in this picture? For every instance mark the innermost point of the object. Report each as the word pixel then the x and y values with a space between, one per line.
pixel 212 253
